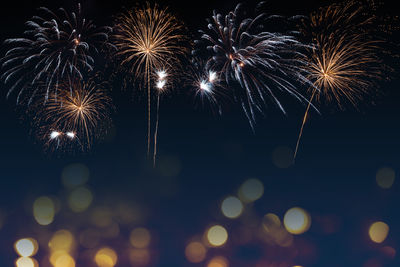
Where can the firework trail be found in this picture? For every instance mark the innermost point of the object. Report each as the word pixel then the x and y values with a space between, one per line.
pixel 344 65
pixel 148 39
pixel 161 84
pixel 255 64
pixel 78 110
pixel 58 46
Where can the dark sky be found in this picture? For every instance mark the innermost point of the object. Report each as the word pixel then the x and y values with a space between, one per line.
pixel 334 172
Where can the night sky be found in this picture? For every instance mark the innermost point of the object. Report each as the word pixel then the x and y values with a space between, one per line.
pixel 205 157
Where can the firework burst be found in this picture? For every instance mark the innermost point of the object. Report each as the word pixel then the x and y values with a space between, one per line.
pixel 149 39
pixel 255 64
pixel 75 111
pixel 344 65
pixel 58 46
pixel 205 82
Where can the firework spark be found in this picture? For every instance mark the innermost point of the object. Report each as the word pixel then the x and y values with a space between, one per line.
pixel 344 65
pixel 79 111
pixel 58 46
pixel 255 63
pixel 148 39
pixel 204 81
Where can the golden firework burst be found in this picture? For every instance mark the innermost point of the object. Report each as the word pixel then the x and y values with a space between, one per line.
pixel 77 111
pixel 149 38
pixel 344 64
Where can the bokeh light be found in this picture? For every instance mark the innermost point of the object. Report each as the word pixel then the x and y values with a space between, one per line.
pixel 389 252
pixel 217 235
pixel 378 231
pixel 271 221
pixel 139 257
pixel 232 207
pixel 282 157
pixel 26 262
pixel 275 233
pixel 195 252
pixel 140 238
pixel 80 199
pixel 75 175
pixel 106 257
pixel 62 259
pixel 128 213
pixel 62 240
pixel 251 190
pixel 218 261
pixel 26 247
pixel 44 210
pixel 101 216
pixel 297 221
pixel 385 177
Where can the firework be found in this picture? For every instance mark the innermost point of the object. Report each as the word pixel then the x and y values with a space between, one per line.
pixel 205 82
pixel 161 84
pixel 344 65
pixel 254 63
pixel 74 112
pixel 58 46
pixel 148 39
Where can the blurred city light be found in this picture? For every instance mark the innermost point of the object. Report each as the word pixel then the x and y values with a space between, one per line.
pixel 62 240
pixel 62 259
pixel 378 231
pixel 139 257
pixel 385 177
pixel 218 261
pixel 26 247
pixel 232 207
pixel 297 221
pixel 282 157
pixel 389 252
pixel 140 238
pixel 128 213
pixel 80 199
pixel 251 190
pixel 44 210
pixel 26 262
pixel 195 252
pixel 75 175
pixel 271 222
pixel 106 257
pixel 101 216
pixel 217 235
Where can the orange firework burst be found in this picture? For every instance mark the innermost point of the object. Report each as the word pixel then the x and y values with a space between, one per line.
pixel 344 64
pixel 79 111
pixel 148 39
